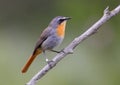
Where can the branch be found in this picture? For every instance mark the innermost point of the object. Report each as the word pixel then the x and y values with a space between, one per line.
pixel 69 49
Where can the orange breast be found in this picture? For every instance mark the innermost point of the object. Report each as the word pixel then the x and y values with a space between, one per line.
pixel 61 29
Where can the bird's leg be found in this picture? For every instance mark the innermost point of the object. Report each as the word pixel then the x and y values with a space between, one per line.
pixel 47 60
pixel 57 51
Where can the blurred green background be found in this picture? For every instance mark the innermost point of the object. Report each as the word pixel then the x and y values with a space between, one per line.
pixel 96 61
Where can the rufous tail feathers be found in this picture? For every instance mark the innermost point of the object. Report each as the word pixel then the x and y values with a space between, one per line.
pixel 30 60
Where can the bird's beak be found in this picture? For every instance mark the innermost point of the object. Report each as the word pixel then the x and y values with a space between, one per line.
pixel 67 18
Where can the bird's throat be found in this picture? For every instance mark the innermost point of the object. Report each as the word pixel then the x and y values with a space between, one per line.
pixel 61 29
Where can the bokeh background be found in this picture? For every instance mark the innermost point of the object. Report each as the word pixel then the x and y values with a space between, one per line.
pixel 96 61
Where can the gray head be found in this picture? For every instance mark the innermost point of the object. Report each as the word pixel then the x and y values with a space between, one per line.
pixel 58 20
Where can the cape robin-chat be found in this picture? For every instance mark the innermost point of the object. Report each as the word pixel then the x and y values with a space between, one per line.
pixel 51 37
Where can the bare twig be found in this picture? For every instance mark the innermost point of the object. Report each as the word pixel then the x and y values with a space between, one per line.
pixel 69 49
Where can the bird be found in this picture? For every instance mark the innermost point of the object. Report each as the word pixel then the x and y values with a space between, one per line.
pixel 51 37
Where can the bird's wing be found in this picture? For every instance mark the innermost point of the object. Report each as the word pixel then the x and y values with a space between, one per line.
pixel 42 38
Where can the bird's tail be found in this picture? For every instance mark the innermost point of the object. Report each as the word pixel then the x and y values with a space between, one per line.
pixel 30 60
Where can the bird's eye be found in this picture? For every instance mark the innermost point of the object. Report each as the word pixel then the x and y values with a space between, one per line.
pixel 61 20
